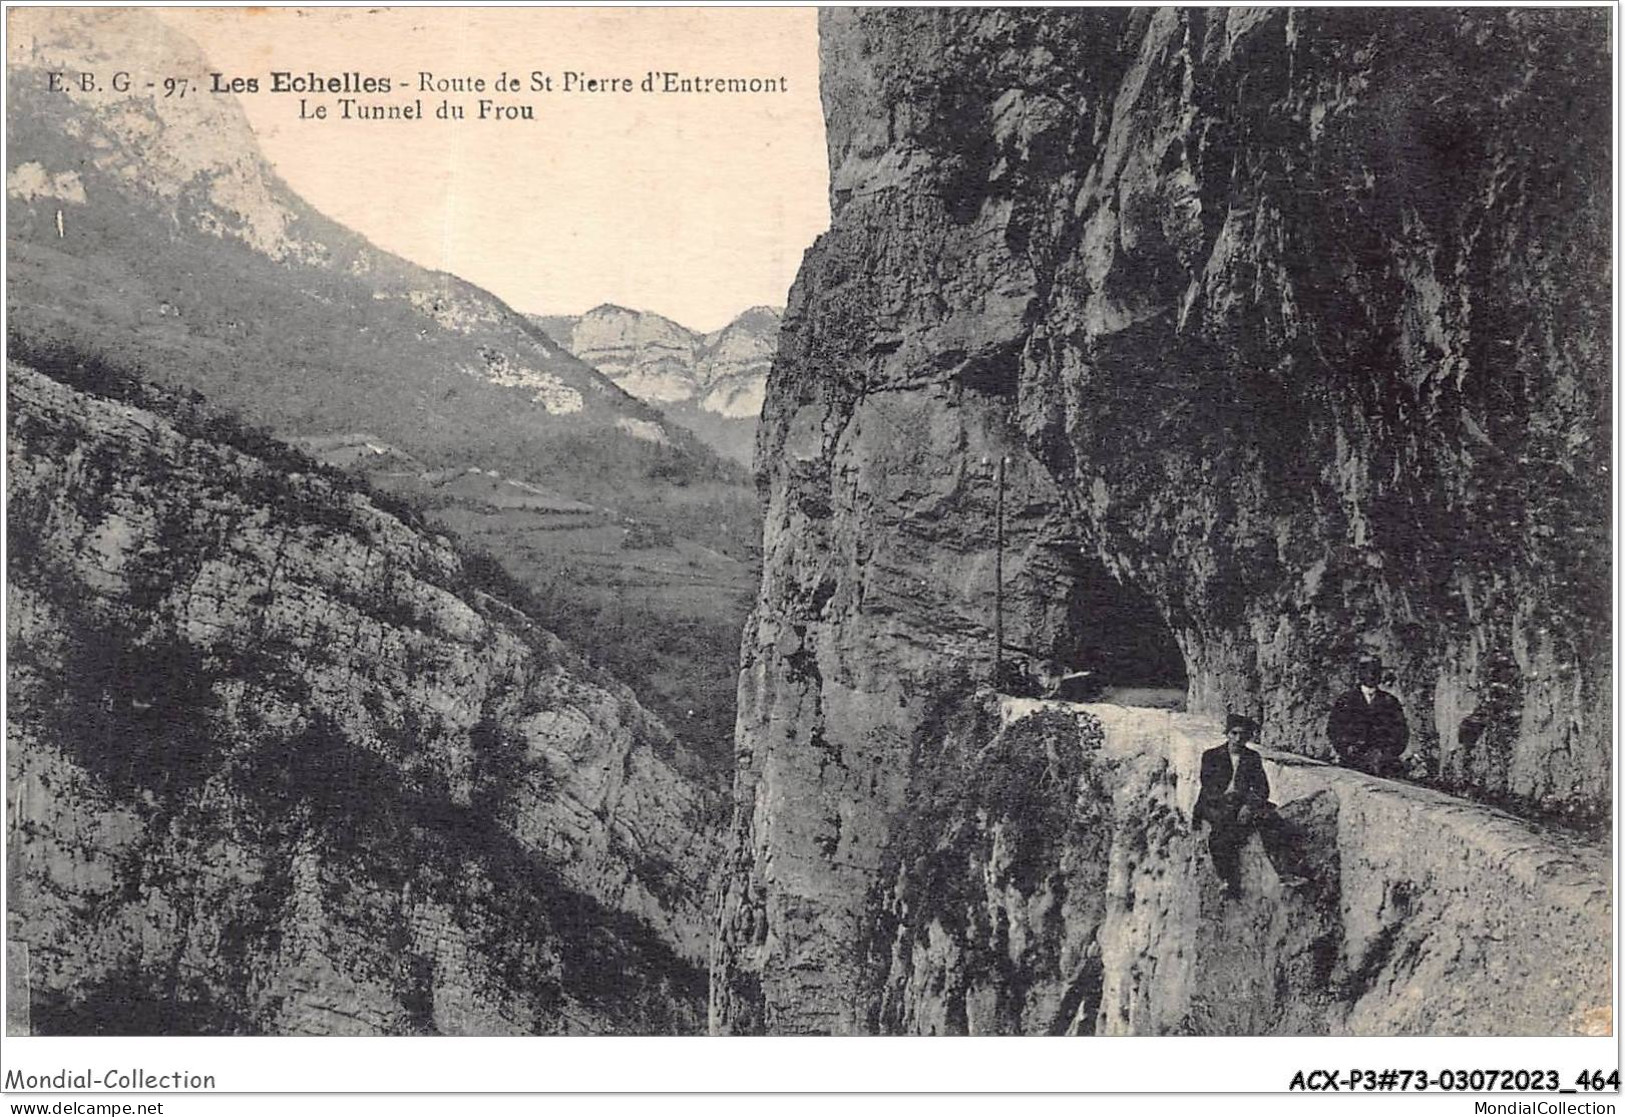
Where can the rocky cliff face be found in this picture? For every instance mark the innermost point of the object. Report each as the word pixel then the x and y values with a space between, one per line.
pixel 1292 328
pixel 713 384
pixel 284 761
pixel 733 363
pixel 648 355
pixel 1058 888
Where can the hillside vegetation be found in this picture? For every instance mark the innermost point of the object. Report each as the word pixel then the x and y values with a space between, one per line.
pixel 285 760
pixel 153 229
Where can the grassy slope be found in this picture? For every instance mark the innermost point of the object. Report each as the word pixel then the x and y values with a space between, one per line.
pixel 332 344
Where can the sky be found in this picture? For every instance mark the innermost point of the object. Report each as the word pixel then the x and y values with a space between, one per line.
pixel 693 206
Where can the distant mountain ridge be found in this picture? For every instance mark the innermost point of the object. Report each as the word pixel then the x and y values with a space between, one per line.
pixel 158 222
pixel 152 231
pixel 711 383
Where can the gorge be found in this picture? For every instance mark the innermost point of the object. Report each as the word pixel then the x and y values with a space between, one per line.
pixel 1292 323
pixel 1176 351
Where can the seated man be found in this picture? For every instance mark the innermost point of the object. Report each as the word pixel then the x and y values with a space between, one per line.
pixel 1234 801
pixel 1367 726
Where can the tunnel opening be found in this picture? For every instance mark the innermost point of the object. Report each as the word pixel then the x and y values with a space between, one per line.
pixel 1114 644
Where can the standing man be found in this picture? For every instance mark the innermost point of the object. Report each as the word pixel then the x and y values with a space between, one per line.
pixel 1234 801
pixel 1367 725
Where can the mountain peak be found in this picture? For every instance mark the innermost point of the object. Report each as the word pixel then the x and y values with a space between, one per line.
pixel 603 309
pixel 754 321
pixel 474 372
pixel 711 383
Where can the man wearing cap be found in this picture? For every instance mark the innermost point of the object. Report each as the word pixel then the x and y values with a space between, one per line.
pixel 1234 801
pixel 1367 725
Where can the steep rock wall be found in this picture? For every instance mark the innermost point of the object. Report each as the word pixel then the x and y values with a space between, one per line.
pixel 280 761
pixel 711 383
pixel 1059 887
pixel 1292 323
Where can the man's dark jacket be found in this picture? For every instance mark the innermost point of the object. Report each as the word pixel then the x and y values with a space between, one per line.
pixel 1252 786
pixel 1359 729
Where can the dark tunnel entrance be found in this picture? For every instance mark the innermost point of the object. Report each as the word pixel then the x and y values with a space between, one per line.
pixel 1115 645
